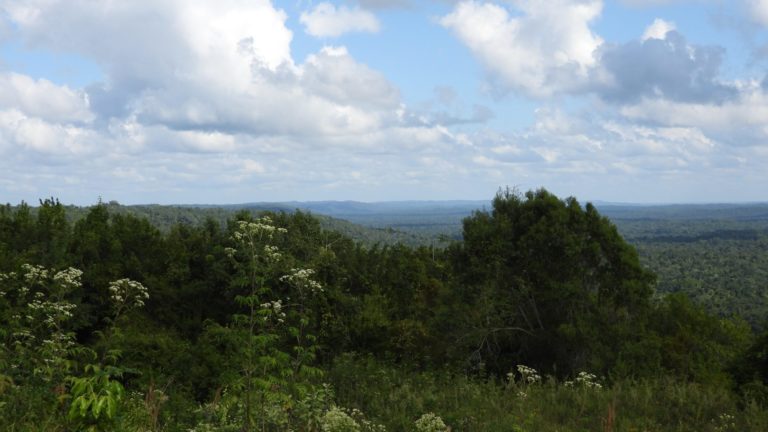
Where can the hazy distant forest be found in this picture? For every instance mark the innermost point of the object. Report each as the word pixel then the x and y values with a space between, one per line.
pixel 533 314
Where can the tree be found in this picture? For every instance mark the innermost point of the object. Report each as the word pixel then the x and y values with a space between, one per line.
pixel 547 283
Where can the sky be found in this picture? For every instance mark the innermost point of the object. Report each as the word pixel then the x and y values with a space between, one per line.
pixel 232 101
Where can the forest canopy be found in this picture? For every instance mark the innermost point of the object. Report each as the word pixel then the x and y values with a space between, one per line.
pixel 270 321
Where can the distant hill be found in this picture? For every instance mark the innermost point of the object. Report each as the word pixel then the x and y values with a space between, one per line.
pixel 427 220
pixel 736 212
pixel 443 218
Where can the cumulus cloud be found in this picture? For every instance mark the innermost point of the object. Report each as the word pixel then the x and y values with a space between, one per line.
pixel 739 122
pixel 46 140
pixel 327 20
pixel 205 99
pixel 334 74
pixel 666 67
pixel 595 150
pixel 539 49
pixel 658 30
pixel 206 94
pixel 645 146
pixel 212 66
pixel 41 98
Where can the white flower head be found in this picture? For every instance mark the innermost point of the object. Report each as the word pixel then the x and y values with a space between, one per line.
pixel 302 279
pixel 529 375
pixel 69 278
pixel 126 293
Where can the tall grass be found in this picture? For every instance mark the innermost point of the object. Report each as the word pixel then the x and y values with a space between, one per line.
pixel 396 397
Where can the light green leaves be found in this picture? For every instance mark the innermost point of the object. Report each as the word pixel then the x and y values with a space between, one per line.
pixel 95 399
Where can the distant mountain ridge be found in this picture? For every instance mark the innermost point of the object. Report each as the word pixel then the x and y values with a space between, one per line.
pixel 337 208
pixel 409 213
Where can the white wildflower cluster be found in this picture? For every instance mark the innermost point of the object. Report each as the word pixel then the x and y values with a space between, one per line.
pixel 4 277
pixel 261 228
pixel 54 351
pixel 430 422
pixel 69 278
pixel 529 375
pixel 23 334
pixel 302 279
pixel 272 253
pixel 56 284
pixel 336 420
pixel 53 313
pixel 126 293
pixel 34 273
pixel 274 308
pixel 586 380
pixel 348 420
pixel 251 234
pixel 59 341
pixel 724 422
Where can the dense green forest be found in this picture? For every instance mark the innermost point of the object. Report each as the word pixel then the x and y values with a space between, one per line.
pixel 540 317
pixel 716 254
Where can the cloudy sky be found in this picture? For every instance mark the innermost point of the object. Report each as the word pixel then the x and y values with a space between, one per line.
pixel 227 101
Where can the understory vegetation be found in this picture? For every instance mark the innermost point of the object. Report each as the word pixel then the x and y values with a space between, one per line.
pixel 541 318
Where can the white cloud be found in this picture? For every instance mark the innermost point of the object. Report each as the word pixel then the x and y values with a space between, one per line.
pixel 146 41
pixel 41 98
pixel 739 122
pixel 544 49
pixel 668 68
pixel 212 66
pixel 658 30
pixel 19 132
pixel 758 11
pixel 548 48
pixel 327 20
pixel 200 95
pixel 595 154
pixel 204 100
pixel 334 74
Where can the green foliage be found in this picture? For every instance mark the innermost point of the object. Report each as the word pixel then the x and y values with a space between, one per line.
pixel 397 396
pixel 697 346
pixel 336 420
pixel 727 274
pixel 95 399
pixel 548 283
pixel 271 379
pixel 249 317
pixel 430 423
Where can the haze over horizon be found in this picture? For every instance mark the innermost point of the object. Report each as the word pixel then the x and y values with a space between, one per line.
pixel 238 101
pixel 416 203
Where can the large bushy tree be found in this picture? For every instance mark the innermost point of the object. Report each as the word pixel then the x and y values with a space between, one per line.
pixel 549 283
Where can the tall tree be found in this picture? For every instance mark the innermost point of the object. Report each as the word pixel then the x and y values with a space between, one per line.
pixel 547 283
